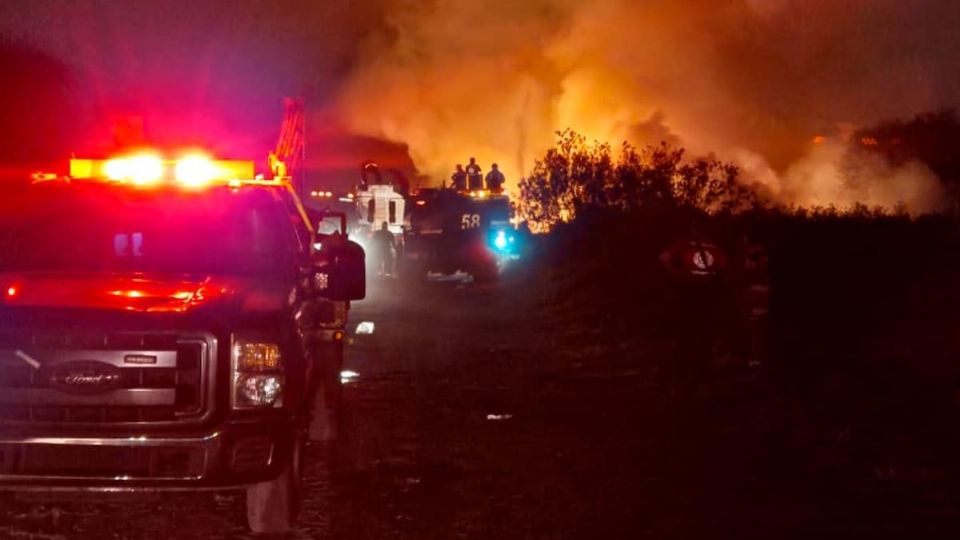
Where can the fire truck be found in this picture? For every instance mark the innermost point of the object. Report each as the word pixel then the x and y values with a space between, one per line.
pixel 379 204
pixel 450 231
pixel 168 324
pixel 438 230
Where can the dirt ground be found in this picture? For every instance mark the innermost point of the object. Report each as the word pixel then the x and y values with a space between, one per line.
pixel 475 413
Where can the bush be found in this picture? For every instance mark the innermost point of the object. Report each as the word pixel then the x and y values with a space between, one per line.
pixel 574 178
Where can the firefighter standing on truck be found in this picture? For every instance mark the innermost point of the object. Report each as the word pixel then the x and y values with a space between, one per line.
pixel 474 175
pixel 495 179
pixel 369 174
pixel 459 179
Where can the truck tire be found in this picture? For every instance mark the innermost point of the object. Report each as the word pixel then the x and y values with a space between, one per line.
pixel 272 506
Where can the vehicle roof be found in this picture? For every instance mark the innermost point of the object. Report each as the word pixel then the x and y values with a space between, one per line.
pixel 282 188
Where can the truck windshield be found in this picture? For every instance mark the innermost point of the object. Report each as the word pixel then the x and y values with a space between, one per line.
pixel 109 229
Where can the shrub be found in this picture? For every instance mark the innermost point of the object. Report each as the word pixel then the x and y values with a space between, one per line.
pixel 575 177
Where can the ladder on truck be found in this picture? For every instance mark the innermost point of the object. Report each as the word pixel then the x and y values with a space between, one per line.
pixel 286 160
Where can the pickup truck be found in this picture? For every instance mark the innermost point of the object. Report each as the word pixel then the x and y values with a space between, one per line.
pixel 166 337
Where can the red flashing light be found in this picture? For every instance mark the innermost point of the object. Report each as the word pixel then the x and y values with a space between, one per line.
pixel 128 293
pixel 141 170
pixel 196 171
pixel 12 291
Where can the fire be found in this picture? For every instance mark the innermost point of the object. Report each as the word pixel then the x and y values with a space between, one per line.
pixel 640 72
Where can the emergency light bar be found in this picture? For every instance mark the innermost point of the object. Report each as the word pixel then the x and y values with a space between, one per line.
pixel 147 169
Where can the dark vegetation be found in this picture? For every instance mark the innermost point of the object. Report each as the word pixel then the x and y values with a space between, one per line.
pixel 574 179
pixel 860 366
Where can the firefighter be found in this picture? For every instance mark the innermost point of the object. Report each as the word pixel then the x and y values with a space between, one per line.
pixel 459 179
pixel 474 175
pixel 384 246
pixel 369 174
pixel 495 179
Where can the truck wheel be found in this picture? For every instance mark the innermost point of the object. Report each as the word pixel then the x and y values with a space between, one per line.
pixel 272 506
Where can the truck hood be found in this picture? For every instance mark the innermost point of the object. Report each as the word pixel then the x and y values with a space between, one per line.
pixel 142 293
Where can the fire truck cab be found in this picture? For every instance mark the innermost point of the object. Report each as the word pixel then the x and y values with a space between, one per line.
pixel 168 325
pixel 379 204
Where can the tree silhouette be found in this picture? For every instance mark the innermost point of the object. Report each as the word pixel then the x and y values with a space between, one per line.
pixel 575 177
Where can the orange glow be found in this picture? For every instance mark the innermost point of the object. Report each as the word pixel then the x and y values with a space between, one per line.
pixel 819 139
pixel 868 141
pixel 195 171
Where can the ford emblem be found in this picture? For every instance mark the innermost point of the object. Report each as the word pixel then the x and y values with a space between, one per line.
pixel 84 378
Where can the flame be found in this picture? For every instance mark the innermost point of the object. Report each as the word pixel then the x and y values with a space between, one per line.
pixel 496 79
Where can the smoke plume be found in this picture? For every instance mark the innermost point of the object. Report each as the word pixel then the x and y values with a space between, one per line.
pixel 753 81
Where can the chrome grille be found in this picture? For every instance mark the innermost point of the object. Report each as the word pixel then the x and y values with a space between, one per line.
pixel 175 387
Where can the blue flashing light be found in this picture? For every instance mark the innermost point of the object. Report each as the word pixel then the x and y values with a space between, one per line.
pixel 500 242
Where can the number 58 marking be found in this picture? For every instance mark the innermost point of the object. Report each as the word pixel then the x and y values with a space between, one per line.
pixel 470 221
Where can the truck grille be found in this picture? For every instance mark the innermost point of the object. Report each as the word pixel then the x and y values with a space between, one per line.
pixel 116 378
pixel 88 461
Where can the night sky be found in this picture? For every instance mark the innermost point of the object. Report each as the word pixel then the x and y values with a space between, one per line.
pixel 203 72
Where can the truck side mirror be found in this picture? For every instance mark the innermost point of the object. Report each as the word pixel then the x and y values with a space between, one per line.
pixel 329 222
pixel 344 267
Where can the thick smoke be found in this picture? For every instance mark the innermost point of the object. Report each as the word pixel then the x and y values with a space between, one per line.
pixel 749 80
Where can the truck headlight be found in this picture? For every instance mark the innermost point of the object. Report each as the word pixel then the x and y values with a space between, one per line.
pixel 257 375
pixel 259 390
